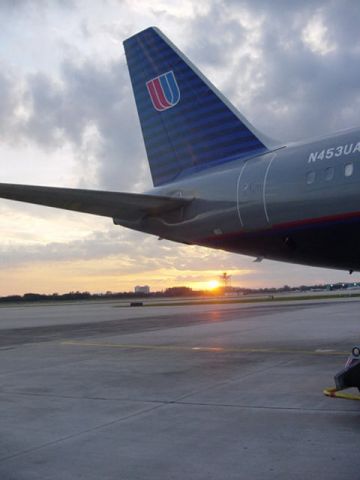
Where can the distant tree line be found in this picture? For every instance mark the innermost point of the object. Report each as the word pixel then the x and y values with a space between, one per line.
pixel 169 292
pixel 57 297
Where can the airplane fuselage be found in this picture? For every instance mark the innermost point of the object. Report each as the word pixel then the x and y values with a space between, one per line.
pixel 299 203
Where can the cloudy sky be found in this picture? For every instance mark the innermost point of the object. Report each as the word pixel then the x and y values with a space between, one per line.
pixel 68 118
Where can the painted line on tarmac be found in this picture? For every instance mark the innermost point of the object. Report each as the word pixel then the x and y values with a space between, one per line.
pixel 317 352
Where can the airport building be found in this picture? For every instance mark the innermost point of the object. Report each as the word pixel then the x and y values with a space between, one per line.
pixel 142 289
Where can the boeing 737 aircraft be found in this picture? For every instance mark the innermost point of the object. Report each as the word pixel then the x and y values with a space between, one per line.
pixel 220 183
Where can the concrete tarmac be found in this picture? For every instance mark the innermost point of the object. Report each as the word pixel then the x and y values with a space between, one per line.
pixel 97 391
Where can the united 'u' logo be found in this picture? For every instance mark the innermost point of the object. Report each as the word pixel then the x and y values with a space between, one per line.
pixel 164 91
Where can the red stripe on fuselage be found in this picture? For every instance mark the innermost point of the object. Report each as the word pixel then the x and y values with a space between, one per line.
pixel 312 221
pixel 286 225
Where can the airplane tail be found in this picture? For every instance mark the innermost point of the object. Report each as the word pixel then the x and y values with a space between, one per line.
pixel 186 123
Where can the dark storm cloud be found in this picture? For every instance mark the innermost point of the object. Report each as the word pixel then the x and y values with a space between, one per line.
pixel 9 101
pixel 212 38
pixel 307 93
pixel 86 96
pixel 301 92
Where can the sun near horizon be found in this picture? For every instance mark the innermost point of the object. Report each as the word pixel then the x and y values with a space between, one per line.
pixel 213 285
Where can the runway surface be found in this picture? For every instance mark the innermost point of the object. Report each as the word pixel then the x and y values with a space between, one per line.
pixel 97 391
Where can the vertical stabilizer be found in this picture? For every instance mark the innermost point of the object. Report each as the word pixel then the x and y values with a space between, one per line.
pixel 186 123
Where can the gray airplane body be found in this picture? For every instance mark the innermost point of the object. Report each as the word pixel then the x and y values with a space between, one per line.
pixel 219 182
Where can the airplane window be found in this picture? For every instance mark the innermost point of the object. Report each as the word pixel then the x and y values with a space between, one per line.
pixel 349 169
pixel 310 177
pixel 329 173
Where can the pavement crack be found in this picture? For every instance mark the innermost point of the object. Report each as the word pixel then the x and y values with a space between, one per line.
pixel 76 397
pixel 230 381
pixel 266 407
pixel 79 434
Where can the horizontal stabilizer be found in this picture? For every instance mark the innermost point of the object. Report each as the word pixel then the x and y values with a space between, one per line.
pixel 127 206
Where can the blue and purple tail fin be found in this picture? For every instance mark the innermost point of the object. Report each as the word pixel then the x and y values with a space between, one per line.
pixel 186 123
